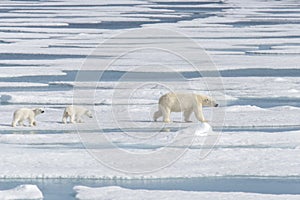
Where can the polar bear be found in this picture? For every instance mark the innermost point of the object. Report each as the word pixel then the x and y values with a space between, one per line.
pixel 183 102
pixel 26 114
pixel 75 113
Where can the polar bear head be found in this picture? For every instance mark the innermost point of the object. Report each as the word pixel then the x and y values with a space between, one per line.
pixel 89 114
pixel 38 111
pixel 207 101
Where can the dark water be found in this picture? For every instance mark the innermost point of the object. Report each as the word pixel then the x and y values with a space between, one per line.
pixel 63 188
pixel 153 76
pixel 183 125
pixel 265 102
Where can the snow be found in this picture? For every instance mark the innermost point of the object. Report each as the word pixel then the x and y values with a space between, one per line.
pixel 86 193
pixel 235 154
pixel 243 108
pixel 28 192
pixel 27 71
pixel 203 130
pixel 22 84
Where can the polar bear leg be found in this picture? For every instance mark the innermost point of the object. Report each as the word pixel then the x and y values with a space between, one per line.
pixel 157 115
pixel 32 122
pixel 199 114
pixel 21 122
pixel 187 115
pixel 79 119
pixel 166 114
pixel 72 119
pixel 15 122
pixel 65 118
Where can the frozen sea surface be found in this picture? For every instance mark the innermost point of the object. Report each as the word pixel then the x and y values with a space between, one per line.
pixel 255 45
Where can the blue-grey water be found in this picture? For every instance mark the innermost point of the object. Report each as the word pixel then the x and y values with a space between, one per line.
pixel 62 189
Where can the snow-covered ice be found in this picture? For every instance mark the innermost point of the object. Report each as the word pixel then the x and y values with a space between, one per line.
pixel 86 193
pixel 29 192
pixel 235 154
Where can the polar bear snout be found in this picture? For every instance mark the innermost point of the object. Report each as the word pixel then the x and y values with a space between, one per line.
pixel 211 103
pixel 38 111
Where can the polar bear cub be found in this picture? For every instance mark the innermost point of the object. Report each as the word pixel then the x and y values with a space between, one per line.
pixel 75 114
pixel 183 102
pixel 26 114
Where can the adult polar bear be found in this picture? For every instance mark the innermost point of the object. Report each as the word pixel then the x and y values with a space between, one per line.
pixel 183 102
pixel 26 114
pixel 75 113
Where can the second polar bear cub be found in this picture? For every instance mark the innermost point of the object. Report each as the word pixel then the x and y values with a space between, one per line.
pixel 183 102
pixel 26 114
pixel 75 114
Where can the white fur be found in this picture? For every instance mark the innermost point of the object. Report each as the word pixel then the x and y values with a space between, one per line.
pixel 26 114
pixel 183 102
pixel 75 114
